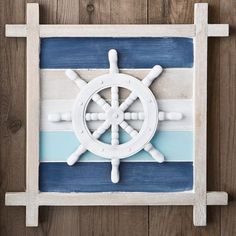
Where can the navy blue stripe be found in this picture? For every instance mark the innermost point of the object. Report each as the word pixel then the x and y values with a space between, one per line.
pixel 135 177
pixel 133 52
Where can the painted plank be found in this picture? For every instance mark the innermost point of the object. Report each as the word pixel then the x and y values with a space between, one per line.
pixel 173 83
pixel 133 52
pixel 176 146
pixel 169 105
pixel 95 177
pixel 116 198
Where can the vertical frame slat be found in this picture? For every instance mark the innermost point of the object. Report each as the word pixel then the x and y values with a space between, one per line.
pixel 200 116
pixel 32 114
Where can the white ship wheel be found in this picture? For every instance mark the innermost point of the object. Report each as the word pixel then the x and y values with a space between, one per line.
pixel 115 116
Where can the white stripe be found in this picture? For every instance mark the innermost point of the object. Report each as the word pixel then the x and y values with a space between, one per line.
pixel 174 83
pixel 168 105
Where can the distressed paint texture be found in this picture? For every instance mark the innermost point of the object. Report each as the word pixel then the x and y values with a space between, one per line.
pixel 175 145
pixel 135 177
pixel 133 52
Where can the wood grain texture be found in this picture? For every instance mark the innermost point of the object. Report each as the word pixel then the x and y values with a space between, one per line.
pixel 12 118
pixel 120 220
pixel 182 12
pixel 227 118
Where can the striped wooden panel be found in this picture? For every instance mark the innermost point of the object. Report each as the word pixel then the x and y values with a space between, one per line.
pixel 135 177
pixel 133 52
pixel 89 57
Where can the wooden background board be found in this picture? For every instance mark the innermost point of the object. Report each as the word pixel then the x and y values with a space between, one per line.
pixel 120 220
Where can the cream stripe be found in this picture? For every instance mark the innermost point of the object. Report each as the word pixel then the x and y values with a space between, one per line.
pixel 172 84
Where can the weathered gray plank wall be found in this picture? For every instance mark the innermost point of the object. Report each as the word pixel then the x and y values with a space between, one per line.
pixel 120 220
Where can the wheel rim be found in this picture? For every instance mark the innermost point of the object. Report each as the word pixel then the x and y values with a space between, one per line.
pixel 145 134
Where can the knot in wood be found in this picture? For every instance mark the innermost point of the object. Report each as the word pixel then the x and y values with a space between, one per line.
pixel 90 8
pixel 14 125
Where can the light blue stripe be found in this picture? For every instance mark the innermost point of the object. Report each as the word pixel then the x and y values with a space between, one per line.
pixel 175 145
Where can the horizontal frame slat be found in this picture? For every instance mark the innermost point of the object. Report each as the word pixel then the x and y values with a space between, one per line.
pixel 105 30
pixel 115 199
pixel 177 30
pixel 218 30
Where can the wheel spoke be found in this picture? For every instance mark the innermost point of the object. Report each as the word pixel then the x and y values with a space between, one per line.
pixel 113 58
pixel 95 116
pixel 170 115
pixel 152 75
pixel 81 83
pixel 128 101
pixel 115 176
pixel 128 129
pixel 147 81
pixel 101 129
pixel 156 155
pixel 74 157
pixel 134 116
pixel 114 104
pixel 114 135
pixel 101 102
pixel 114 96
pixel 72 75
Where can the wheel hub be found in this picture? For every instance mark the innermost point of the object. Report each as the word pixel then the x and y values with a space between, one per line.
pixel 115 116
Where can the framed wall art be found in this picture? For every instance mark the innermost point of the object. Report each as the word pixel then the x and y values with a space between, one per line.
pixel 116 115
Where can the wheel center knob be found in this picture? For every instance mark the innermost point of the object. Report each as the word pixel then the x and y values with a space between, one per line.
pixel 115 116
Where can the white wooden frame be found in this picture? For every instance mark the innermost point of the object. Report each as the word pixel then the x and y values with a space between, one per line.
pixel 199 198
